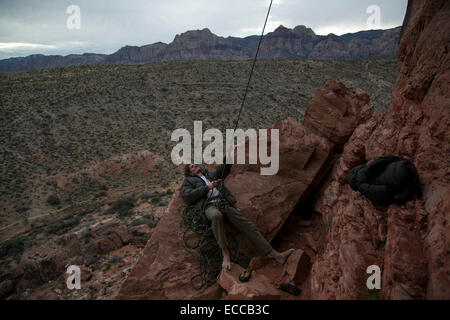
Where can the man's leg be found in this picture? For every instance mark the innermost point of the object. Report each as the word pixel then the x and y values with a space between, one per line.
pixel 249 230
pixel 215 216
pixel 256 238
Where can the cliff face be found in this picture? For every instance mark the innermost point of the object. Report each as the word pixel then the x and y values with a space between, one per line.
pixel 202 45
pixel 283 43
pixel 346 234
pixel 409 243
pixel 166 267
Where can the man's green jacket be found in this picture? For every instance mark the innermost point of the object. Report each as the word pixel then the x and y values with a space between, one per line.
pixel 195 191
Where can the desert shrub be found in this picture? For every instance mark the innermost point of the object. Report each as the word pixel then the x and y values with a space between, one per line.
pixel 124 206
pixel 86 236
pixel 12 247
pixel 53 200
pixel 156 198
pixel 145 196
pixel 86 211
pixel 64 226
pixel 100 194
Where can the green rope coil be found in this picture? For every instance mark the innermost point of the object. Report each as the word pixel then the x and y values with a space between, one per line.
pixel 205 249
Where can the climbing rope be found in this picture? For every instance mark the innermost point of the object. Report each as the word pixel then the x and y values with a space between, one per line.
pixel 198 239
pixel 251 73
pixel 253 66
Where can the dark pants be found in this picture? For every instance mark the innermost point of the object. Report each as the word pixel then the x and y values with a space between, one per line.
pixel 240 222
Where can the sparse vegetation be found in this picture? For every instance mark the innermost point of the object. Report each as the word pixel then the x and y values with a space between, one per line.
pixel 124 206
pixel 147 219
pixel 53 200
pixel 145 196
pixel 12 248
pixel 78 115
pixel 63 226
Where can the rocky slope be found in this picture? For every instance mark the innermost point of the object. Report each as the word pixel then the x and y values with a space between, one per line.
pixel 345 233
pixel 410 243
pixel 305 158
pixel 284 43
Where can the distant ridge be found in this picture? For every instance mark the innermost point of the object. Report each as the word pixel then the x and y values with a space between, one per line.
pixel 299 43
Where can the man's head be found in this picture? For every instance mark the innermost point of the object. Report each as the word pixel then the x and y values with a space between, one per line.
pixel 192 169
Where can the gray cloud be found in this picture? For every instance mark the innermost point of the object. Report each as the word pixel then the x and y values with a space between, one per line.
pixel 29 26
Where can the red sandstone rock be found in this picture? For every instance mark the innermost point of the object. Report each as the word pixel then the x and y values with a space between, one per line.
pixel 257 288
pixel 409 242
pixel 165 269
pixel 110 236
pixel 141 230
pixel 295 269
pixel 304 160
pixel 335 111
pixel 48 262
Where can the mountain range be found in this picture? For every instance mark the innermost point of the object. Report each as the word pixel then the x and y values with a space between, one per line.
pixel 299 43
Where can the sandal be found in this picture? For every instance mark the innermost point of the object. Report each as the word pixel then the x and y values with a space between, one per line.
pixel 246 275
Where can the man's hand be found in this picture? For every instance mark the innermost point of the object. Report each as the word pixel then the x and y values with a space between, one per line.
pixel 214 184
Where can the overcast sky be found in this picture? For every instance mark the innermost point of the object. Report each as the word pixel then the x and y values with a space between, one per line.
pixel 40 26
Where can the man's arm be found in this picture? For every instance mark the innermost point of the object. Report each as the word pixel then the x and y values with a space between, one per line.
pixel 191 194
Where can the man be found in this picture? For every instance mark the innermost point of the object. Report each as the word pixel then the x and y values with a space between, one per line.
pixel 206 192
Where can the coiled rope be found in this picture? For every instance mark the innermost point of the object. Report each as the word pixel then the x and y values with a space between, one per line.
pixel 198 239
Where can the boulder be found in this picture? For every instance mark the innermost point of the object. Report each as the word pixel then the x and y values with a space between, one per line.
pixel 110 236
pixel 304 159
pixel 47 262
pixel 257 288
pixel 295 269
pixel 141 230
pixel 335 111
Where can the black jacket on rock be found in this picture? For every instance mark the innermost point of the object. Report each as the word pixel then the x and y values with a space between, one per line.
pixel 386 180
pixel 195 191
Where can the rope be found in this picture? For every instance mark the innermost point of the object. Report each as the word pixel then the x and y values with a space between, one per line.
pixel 205 250
pixel 253 66
pixel 251 73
